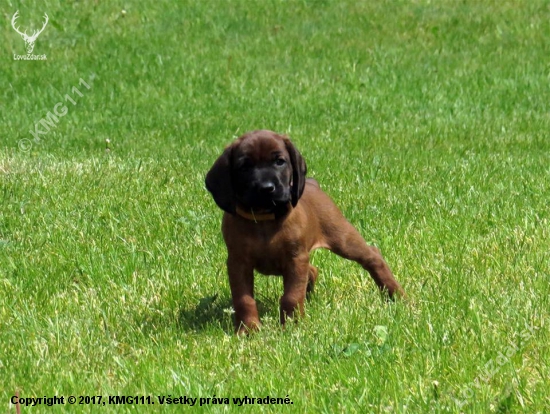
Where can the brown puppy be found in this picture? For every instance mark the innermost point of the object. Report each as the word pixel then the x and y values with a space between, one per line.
pixel 274 218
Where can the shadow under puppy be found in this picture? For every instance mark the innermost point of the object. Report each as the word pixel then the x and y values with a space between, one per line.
pixel 274 217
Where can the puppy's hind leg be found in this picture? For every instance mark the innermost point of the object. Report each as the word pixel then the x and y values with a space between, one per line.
pixel 344 240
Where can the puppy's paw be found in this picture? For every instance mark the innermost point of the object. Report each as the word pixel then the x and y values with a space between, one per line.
pixel 248 328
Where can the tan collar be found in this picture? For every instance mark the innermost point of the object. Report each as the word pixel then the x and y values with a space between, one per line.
pixel 255 217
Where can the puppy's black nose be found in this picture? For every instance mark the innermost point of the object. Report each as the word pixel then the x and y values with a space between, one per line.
pixel 267 187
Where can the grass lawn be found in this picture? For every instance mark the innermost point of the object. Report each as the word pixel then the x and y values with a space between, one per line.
pixel 426 121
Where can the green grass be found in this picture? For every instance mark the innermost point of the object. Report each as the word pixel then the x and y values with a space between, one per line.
pixel 426 121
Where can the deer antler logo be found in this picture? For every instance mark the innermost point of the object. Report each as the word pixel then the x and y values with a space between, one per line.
pixel 29 40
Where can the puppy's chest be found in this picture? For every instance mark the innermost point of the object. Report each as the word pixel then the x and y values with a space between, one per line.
pixel 272 253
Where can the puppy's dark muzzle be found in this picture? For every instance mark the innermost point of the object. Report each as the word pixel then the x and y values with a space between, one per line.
pixel 266 195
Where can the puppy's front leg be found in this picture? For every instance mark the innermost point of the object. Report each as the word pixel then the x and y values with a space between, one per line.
pixel 295 282
pixel 241 281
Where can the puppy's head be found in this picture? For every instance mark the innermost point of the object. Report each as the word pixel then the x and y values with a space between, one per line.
pixel 261 170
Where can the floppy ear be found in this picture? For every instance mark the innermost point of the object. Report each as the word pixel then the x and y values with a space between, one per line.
pixel 299 171
pixel 218 182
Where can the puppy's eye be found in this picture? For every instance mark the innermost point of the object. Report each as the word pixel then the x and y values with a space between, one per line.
pixel 280 161
pixel 245 165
